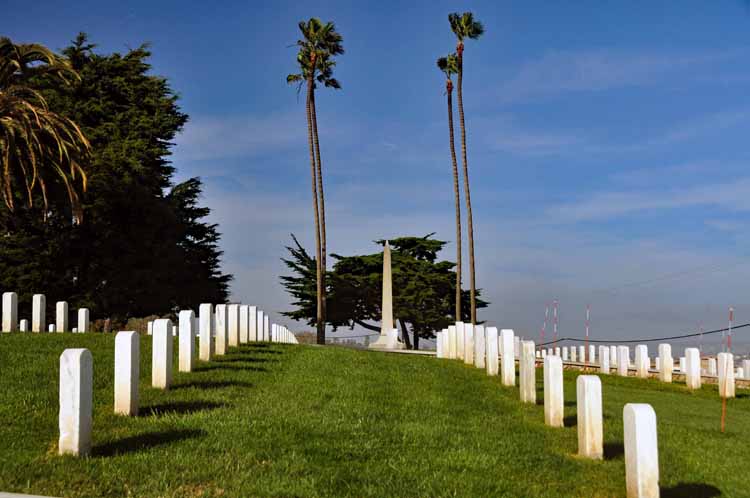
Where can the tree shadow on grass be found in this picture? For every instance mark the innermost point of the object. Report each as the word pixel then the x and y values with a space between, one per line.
pixel 144 442
pixel 690 490
pixel 613 451
pixel 179 408
pixel 213 384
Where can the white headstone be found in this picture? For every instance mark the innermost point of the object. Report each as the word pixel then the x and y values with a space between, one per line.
pixel 206 343
pixel 516 347
pixel 589 408
pixel 746 368
pixel 222 329
pixel 592 354
pixel 259 332
pixel 683 363
pixel 527 370
pixel 252 331
pixel 558 352
pixel 641 451
pixel 83 320
pixel 507 362
pixel 161 354
pixel 641 361
pixel 480 346
pixel 613 356
pixel 76 402
pixel 666 363
pixel 38 313
pixel 573 354
pixel 582 354
pixel 24 325
pixel 460 338
pixel 51 327
pixel 127 372
pixel 187 340
pixel 452 342
pixel 439 344
pixel 150 328
pixel 492 361
pixel 604 360
pixel 266 328
pixel 692 368
pixel 75 330
pixel 553 391
pixel 658 364
pixel 233 324
pixel 10 312
pixel 726 375
pixel 61 317
pixel 623 360
pixel 244 323
pixel 565 356
pixel 469 344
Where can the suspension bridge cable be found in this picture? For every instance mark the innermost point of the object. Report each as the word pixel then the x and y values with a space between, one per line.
pixel 684 336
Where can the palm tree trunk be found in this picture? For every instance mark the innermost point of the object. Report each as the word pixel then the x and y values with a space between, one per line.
pixel 320 326
pixel 457 195
pixel 322 205
pixel 467 190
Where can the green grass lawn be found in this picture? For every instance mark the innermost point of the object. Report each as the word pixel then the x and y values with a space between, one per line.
pixel 277 420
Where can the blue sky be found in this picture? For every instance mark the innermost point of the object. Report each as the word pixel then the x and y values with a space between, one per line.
pixel 607 143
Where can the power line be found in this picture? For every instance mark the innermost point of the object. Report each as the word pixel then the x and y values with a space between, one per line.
pixel 576 339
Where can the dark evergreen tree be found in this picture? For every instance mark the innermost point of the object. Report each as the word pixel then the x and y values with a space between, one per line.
pixel 143 247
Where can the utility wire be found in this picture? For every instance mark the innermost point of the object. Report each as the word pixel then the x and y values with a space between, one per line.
pixel 577 339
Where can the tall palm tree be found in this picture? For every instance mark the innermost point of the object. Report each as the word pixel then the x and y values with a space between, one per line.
pixel 318 44
pixel 37 146
pixel 465 27
pixel 449 66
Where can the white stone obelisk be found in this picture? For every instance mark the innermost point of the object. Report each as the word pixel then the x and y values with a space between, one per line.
pixel 553 391
pixel 76 402
pixel 127 372
pixel 386 341
pixel 641 451
pixel 10 312
pixel 187 340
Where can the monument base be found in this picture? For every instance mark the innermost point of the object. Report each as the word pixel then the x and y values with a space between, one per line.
pixel 388 341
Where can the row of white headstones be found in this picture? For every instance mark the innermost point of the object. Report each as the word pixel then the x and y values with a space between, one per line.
pixel 10 322
pixel 229 326
pixel 497 353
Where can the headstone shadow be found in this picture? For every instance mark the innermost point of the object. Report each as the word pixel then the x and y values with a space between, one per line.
pixel 217 366
pixel 144 442
pixel 570 421
pixel 213 384
pixel 690 490
pixel 178 408
pixel 613 451
pixel 241 359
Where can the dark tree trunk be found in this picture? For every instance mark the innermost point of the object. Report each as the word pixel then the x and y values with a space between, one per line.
pixel 319 323
pixel 322 206
pixel 405 334
pixel 457 195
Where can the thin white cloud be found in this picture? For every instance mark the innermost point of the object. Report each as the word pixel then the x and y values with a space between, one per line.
pixel 594 70
pixel 605 205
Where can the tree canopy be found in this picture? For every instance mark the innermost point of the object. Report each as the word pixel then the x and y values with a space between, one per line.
pixel 143 246
pixel 423 288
